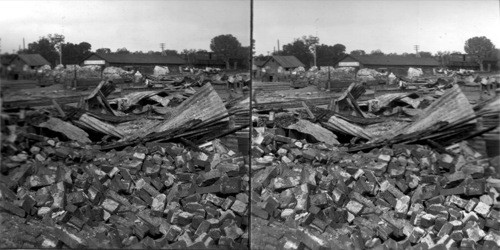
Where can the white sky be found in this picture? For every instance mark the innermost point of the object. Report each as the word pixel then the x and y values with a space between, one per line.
pixel 135 25
pixel 391 26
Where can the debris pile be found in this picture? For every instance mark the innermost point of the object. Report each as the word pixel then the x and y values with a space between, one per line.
pixel 318 195
pixel 199 78
pixel 146 170
pixel 398 174
pixel 160 115
pixel 71 195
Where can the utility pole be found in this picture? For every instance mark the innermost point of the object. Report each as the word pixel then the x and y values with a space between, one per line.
pixel 162 46
pixel 314 53
pixel 60 53
pixel 278 46
pixel 416 50
pixel 24 44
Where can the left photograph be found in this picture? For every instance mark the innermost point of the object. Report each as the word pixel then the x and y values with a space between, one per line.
pixel 125 124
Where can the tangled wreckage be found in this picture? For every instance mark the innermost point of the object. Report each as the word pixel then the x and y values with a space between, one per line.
pixel 400 171
pixel 160 168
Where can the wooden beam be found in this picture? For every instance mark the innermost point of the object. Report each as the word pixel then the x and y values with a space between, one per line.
pixel 58 108
pixel 354 104
pixel 103 100
pixel 311 115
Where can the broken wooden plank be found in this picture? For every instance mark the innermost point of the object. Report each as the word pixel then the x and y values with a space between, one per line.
pixel 105 102
pixel 311 115
pixel 58 108
pixel 92 123
pixel 354 105
pixel 343 126
pixel 316 131
pixel 66 128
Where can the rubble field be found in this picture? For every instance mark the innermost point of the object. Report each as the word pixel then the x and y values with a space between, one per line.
pixel 177 166
pixel 148 169
pixel 400 171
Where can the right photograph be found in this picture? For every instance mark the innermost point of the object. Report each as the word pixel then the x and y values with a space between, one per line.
pixel 375 125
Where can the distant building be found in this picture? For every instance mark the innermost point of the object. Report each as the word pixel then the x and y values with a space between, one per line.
pixel 492 62
pixel 24 66
pixel 287 63
pixel 397 64
pixel 205 59
pixel 466 61
pixel 5 62
pixel 461 61
pixel 279 66
pixel 257 66
pixel 141 62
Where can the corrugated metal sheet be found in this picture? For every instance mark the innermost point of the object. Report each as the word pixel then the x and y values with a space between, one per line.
pixel 92 123
pixel 452 107
pixel 395 60
pixel 141 59
pixel 315 130
pixel 386 99
pixel 286 61
pixel 33 59
pixel 346 127
pixel 205 104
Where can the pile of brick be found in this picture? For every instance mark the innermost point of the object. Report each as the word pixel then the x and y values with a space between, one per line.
pixel 158 195
pixel 319 196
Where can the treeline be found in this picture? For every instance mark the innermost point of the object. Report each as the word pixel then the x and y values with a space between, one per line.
pixel 226 48
pixel 308 49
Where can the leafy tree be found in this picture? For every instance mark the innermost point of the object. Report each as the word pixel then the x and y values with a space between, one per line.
pixel 328 55
pixel 171 52
pixel 103 51
pixel 46 47
pixel 443 57
pixel 261 57
pixel 479 47
pixel 358 52
pixel 226 46
pixel 151 52
pixel 408 54
pixel 425 54
pixel 190 55
pixel 377 52
pixel 302 48
pixel 75 53
pixel 244 57
pixel 299 49
pixel 56 38
pixel 310 41
pixel 122 51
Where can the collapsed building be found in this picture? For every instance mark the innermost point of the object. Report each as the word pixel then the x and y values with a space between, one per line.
pixel 402 172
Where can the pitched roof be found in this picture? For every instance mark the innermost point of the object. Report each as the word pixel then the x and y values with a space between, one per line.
pixel 141 59
pixel 259 63
pixel 286 61
pixel 395 60
pixel 6 60
pixel 33 59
